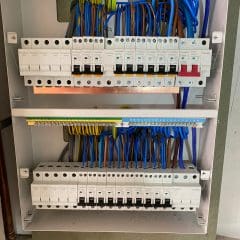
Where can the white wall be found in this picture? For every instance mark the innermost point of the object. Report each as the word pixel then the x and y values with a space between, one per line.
pixel 229 215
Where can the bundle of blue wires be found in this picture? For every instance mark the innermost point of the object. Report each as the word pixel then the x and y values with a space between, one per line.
pixel 146 145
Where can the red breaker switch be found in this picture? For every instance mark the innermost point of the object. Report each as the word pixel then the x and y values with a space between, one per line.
pixel 185 73
pixel 195 71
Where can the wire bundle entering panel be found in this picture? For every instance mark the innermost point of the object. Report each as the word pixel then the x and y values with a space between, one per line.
pixel 135 18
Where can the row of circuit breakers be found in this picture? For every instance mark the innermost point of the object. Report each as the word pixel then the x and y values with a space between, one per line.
pixel 60 185
pixel 115 62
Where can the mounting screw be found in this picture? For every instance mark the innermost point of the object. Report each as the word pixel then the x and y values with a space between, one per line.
pixel 12 38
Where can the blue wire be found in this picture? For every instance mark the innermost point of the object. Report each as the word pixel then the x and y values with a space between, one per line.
pixel 136 149
pixel 159 18
pixel 185 97
pixel 100 151
pixel 194 146
pixel 118 147
pixel 190 9
pixel 144 148
pixel 110 152
pixel 84 153
pixel 97 20
pixel 118 20
pixel 92 153
pixel 154 5
pixel 128 20
pixel 183 131
pixel 171 18
pixel 206 17
pixel 111 14
pixel 163 153
pixel 155 143
pixel 77 30
pixel 190 34
pixel 126 151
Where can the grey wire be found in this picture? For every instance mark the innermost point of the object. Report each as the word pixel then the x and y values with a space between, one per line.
pixel 70 29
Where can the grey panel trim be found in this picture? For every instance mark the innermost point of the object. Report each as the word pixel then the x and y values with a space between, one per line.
pixel 229 55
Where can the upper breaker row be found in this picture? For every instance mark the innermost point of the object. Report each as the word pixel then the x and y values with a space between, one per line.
pixel 95 61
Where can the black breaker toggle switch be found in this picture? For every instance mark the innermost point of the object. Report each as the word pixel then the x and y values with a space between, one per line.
pixel 76 69
pixel 119 69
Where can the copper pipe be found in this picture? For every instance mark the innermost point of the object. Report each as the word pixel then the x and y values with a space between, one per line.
pixel 5 197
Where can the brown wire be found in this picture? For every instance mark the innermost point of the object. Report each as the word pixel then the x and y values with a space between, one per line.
pixel 164 27
pixel 150 151
pixel 175 155
pixel 169 152
pixel 143 20
pixel 103 17
pixel 93 10
pixel 180 28
pixel 123 24
pixel 132 152
pixel 175 22
pixel 123 157
pixel 82 19
pixel 96 150
pixel 132 19
pixel 154 19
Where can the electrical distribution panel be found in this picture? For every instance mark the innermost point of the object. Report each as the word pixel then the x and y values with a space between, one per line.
pixel 120 122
